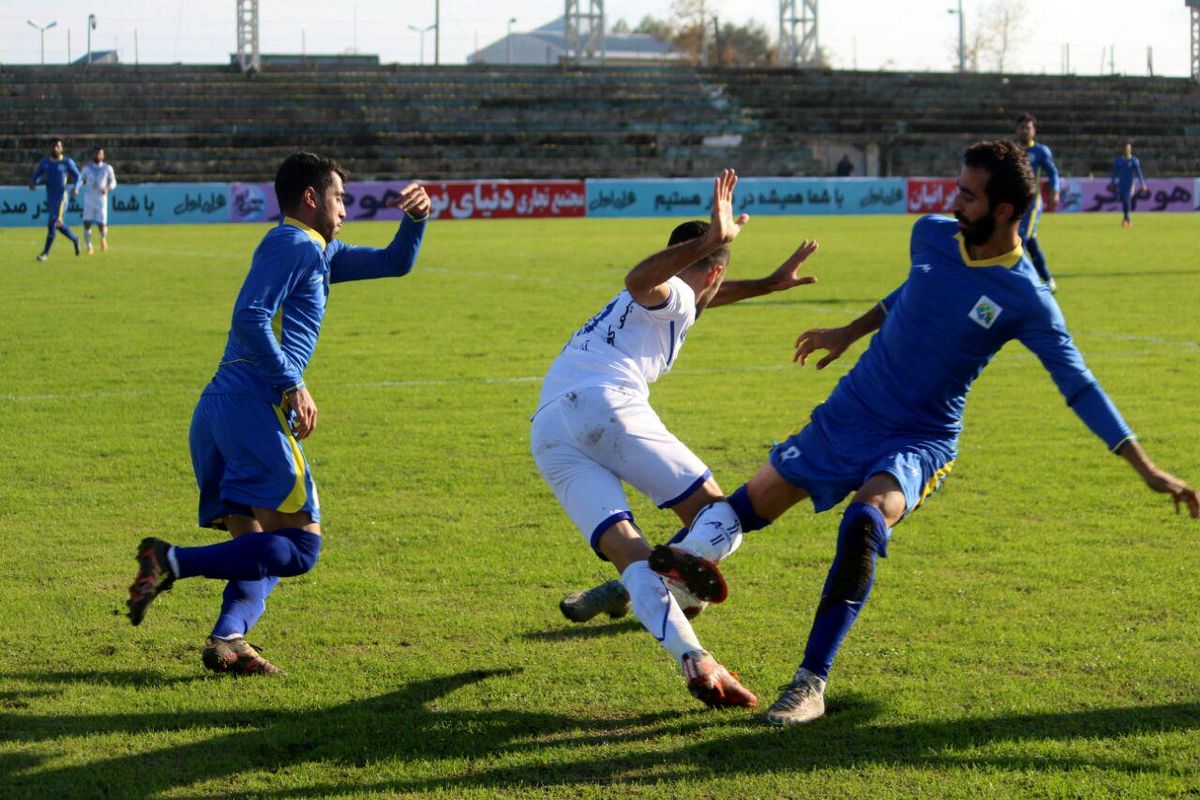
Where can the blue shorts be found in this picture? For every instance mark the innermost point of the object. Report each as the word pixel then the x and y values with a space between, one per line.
pixel 831 461
pixel 245 456
pixel 1028 227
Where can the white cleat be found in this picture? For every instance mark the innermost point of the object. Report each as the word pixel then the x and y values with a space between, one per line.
pixel 803 700
pixel 42 257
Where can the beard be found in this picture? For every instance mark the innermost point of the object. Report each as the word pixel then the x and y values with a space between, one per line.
pixel 977 231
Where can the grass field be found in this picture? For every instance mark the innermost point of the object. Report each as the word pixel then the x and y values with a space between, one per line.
pixel 1034 633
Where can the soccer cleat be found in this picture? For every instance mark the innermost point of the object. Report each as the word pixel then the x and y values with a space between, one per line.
pixel 1053 286
pixel 236 657
pixel 153 577
pixel 43 256
pixel 803 700
pixel 104 245
pixel 609 598
pixel 702 578
pixel 712 684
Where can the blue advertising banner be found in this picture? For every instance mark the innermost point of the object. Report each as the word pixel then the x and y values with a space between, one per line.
pixel 634 197
pixel 128 204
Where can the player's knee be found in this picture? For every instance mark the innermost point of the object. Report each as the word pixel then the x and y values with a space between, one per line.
pixel 862 537
pixel 294 552
pixel 747 516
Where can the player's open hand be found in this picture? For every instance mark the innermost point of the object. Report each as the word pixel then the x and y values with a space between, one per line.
pixel 413 201
pixel 724 227
pixel 786 276
pixel 301 403
pixel 1180 492
pixel 833 340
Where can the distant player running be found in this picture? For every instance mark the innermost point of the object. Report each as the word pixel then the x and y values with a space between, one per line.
pixel 253 477
pixel 96 181
pixel 594 428
pixel 1126 167
pixel 888 434
pixel 56 171
pixel 1041 160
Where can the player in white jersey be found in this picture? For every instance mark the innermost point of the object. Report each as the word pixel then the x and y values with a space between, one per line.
pixel 594 428
pixel 96 179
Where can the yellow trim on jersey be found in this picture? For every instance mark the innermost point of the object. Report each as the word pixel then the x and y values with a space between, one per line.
pixel 299 494
pixel 1009 259
pixel 316 237
pixel 935 482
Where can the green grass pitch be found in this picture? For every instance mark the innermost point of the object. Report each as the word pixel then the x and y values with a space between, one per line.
pixel 1033 634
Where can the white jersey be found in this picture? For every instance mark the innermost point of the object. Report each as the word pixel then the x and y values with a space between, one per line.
pixel 625 346
pixel 95 177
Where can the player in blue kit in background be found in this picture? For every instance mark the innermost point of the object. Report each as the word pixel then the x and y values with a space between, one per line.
pixel 55 171
pixel 1041 160
pixel 889 431
pixel 253 477
pixel 1125 168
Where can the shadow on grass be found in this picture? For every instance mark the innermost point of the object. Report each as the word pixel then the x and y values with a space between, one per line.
pixel 584 631
pixel 409 726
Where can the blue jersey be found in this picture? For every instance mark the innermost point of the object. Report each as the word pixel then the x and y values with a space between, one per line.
pixel 943 325
pixel 1041 160
pixel 55 173
pixel 1124 171
pixel 287 286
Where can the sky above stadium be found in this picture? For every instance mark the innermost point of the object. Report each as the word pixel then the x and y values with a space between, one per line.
pixel 867 34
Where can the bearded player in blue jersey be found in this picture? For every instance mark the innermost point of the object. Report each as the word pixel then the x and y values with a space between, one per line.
pixel 56 171
pixel 253 477
pixel 1126 168
pixel 1041 161
pixel 888 434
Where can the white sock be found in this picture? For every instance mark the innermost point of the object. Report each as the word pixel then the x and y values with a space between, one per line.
pixel 657 610
pixel 174 564
pixel 715 534
pixel 230 637
pixel 87 237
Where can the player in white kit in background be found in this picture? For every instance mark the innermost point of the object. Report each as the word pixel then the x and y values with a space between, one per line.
pixel 594 428
pixel 96 179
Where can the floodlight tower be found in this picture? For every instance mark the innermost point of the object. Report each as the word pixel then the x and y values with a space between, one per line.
pixel 584 29
pixel 247 35
pixel 798 33
pixel 1194 5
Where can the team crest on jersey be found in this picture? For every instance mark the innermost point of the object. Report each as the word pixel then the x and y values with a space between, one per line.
pixel 986 311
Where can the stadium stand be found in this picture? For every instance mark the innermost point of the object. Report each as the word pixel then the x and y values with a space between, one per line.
pixel 213 123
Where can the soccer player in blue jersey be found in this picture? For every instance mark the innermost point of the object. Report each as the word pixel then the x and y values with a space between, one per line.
pixel 1125 168
pixel 888 434
pixel 55 171
pixel 245 437
pixel 1041 160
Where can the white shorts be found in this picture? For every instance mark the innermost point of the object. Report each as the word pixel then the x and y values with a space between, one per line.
pixel 95 208
pixel 586 442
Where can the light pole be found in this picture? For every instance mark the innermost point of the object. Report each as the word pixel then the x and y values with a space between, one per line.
pixel 962 37
pixel 42 31
pixel 91 27
pixel 511 20
pixel 422 32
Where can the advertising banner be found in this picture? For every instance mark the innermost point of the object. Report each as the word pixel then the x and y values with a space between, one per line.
pixel 931 195
pixel 1097 194
pixel 128 204
pixel 692 197
pixel 255 202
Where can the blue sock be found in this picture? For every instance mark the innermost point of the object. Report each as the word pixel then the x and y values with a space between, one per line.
pixel 862 536
pixel 50 234
pixel 740 501
pixel 252 556
pixel 1039 260
pixel 67 233
pixel 242 604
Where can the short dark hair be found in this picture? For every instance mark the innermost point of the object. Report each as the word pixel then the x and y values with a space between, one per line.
pixel 694 229
pixel 1010 178
pixel 300 171
pixel 1027 117
pixel 55 140
pixel 97 149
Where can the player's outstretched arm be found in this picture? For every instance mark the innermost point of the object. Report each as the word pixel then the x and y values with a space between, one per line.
pixel 349 263
pixel 1160 481
pixel 785 277
pixel 836 340
pixel 647 282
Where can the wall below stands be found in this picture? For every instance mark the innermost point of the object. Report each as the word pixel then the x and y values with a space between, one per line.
pixel 603 197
